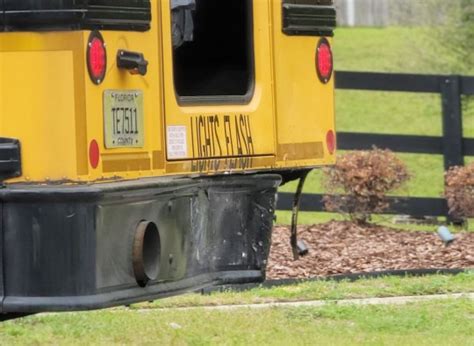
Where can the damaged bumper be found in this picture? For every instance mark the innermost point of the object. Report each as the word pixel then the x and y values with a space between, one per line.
pixel 78 248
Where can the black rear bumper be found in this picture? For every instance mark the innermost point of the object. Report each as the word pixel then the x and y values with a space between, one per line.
pixel 70 248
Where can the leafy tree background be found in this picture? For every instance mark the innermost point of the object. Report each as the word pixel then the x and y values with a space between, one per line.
pixel 447 46
pixel 447 32
pixel 452 42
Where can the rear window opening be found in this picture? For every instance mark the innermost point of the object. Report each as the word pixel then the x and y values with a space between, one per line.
pixel 213 50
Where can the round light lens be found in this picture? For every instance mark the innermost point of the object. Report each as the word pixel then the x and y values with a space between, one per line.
pixel 324 61
pixel 96 58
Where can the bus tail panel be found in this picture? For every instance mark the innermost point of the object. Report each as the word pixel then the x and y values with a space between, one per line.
pixel 304 100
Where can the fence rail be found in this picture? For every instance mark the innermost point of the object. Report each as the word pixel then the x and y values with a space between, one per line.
pixel 452 145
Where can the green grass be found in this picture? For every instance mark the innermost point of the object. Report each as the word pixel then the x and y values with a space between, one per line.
pixel 388 113
pixel 378 49
pixel 447 322
pixel 429 323
pixel 387 50
pixel 327 290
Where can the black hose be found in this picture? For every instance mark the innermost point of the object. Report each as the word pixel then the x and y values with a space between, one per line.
pixel 294 215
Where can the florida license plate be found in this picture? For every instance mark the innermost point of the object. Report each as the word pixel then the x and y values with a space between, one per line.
pixel 124 119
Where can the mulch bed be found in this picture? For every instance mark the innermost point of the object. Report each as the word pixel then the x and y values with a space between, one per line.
pixel 343 248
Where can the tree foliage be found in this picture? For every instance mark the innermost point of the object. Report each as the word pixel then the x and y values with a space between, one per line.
pixel 448 36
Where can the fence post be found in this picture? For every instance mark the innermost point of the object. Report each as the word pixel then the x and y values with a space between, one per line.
pixel 452 128
pixel 452 122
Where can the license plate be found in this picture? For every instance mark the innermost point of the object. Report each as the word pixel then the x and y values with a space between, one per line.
pixel 123 119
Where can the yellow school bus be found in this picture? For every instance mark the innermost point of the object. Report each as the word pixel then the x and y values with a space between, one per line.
pixel 143 142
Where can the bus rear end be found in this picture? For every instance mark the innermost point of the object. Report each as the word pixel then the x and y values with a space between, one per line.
pixel 142 142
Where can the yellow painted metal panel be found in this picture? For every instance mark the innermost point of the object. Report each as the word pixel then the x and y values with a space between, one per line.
pixel 131 162
pixel 49 103
pixel 40 111
pixel 305 106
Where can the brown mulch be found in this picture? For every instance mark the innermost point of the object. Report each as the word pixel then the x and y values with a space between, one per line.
pixel 343 247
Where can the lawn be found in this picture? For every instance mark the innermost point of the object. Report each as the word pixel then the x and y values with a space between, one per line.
pixel 446 322
pixel 386 50
pixel 428 323
pixel 327 290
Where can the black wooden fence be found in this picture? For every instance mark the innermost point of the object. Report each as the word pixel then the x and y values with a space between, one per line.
pixel 452 145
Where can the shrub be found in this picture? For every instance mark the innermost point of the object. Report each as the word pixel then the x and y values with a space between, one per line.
pixel 459 191
pixel 359 182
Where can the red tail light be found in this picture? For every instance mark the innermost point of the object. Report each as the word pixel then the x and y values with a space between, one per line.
pixel 324 61
pixel 96 57
pixel 331 142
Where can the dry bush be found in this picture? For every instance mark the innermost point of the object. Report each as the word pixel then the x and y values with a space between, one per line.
pixel 459 191
pixel 359 182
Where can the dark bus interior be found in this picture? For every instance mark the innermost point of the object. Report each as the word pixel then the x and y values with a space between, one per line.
pixel 219 59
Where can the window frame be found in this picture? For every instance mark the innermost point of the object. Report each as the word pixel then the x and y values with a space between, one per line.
pixel 213 100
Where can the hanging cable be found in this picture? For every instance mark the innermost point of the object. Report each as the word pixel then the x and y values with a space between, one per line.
pixel 294 215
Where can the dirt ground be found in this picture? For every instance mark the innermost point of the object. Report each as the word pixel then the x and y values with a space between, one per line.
pixel 343 247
